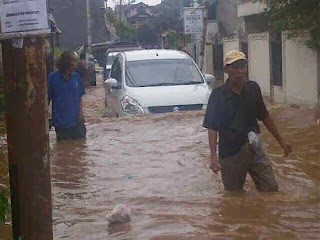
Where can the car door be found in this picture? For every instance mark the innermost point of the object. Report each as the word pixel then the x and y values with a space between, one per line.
pixel 116 73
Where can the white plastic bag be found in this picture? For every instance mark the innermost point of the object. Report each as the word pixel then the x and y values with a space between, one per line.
pixel 121 213
pixel 255 141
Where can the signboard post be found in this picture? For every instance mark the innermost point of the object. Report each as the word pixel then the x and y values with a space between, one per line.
pixel 20 18
pixel 193 22
pixel 23 26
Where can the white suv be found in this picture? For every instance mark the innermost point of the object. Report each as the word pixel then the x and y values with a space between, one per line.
pixel 156 81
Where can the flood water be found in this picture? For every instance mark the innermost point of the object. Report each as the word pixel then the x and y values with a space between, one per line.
pixel 158 165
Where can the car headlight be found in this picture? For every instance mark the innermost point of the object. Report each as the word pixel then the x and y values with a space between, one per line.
pixel 131 106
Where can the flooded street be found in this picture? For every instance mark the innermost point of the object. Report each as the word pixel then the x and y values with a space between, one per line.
pixel 158 165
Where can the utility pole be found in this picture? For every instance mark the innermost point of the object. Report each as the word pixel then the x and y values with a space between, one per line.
pixel 204 38
pixel 28 142
pixel 26 105
pixel 89 25
pixel 120 20
pixel 51 35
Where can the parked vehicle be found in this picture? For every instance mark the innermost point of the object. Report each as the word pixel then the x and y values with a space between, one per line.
pixel 156 81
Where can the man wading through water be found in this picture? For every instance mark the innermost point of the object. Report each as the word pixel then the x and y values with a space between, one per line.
pixel 65 90
pixel 233 111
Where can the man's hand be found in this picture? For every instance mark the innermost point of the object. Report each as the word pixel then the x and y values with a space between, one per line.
pixel 287 148
pixel 215 166
pixel 271 126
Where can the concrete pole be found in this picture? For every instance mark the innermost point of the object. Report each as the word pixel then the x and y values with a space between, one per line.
pixel 120 20
pixel 25 82
pixel 204 39
pixel 89 25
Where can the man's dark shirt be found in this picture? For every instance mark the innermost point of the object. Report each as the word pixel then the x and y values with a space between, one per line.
pixel 234 115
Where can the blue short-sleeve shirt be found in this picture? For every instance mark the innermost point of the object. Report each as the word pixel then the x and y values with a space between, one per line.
pixel 66 98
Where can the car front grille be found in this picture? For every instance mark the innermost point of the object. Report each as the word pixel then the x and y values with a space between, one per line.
pixel 175 108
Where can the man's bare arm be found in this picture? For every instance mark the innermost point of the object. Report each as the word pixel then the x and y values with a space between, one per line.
pixel 213 136
pixel 272 128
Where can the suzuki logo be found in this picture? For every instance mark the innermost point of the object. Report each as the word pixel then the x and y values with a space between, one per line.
pixel 176 109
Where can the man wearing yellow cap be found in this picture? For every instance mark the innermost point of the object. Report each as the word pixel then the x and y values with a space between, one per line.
pixel 233 112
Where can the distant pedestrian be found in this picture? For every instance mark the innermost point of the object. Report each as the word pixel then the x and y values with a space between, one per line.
pixel 92 74
pixel 50 63
pixel 82 70
pixel 232 113
pixel 65 90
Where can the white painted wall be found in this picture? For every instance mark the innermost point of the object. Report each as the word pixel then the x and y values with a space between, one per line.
pixel 300 68
pixel 249 8
pixel 208 59
pixel 259 60
pixel 228 45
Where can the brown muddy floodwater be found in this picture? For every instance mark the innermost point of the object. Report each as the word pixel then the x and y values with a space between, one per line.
pixel 158 165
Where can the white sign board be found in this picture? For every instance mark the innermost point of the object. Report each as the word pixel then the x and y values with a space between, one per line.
pixel 193 20
pixel 23 15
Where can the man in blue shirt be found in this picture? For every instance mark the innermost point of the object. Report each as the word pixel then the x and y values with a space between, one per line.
pixel 65 90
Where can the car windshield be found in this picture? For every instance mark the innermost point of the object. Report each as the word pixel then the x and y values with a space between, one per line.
pixel 164 72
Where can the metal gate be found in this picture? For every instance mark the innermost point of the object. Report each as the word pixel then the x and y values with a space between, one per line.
pixel 217 51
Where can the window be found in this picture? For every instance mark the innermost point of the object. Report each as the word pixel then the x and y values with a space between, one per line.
pixel 116 70
pixel 276 59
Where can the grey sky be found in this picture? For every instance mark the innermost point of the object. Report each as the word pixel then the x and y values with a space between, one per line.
pixel 111 3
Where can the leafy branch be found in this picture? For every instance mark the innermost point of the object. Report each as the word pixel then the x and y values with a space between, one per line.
pixel 295 16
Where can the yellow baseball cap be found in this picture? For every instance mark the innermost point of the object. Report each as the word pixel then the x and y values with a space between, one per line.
pixel 233 56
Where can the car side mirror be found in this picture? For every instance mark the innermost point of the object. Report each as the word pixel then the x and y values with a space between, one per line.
pixel 210 79
pixel 113 83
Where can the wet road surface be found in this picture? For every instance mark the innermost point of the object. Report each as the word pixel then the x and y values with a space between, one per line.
pixel 158 165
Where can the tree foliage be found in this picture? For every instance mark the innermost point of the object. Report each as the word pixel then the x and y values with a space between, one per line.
pixel 4 204
pixel 295 16
pixel 168 16
pixel 123 29
pixel 147 34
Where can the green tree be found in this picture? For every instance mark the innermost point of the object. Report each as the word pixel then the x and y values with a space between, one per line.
pixel 295 16
pixel 168 16
pixel 123 29
pixel 147 34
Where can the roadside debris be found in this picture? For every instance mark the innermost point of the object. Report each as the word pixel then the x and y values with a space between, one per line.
pixel 120 214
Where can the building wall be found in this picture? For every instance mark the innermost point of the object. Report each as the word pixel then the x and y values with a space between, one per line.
pixel 99 31
pixel 228 17
pixel 300 67
pixel 230 44
pixel 300 70
pixel 259 60
pixel 248 8
pixel 208 59
pixel 71 18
